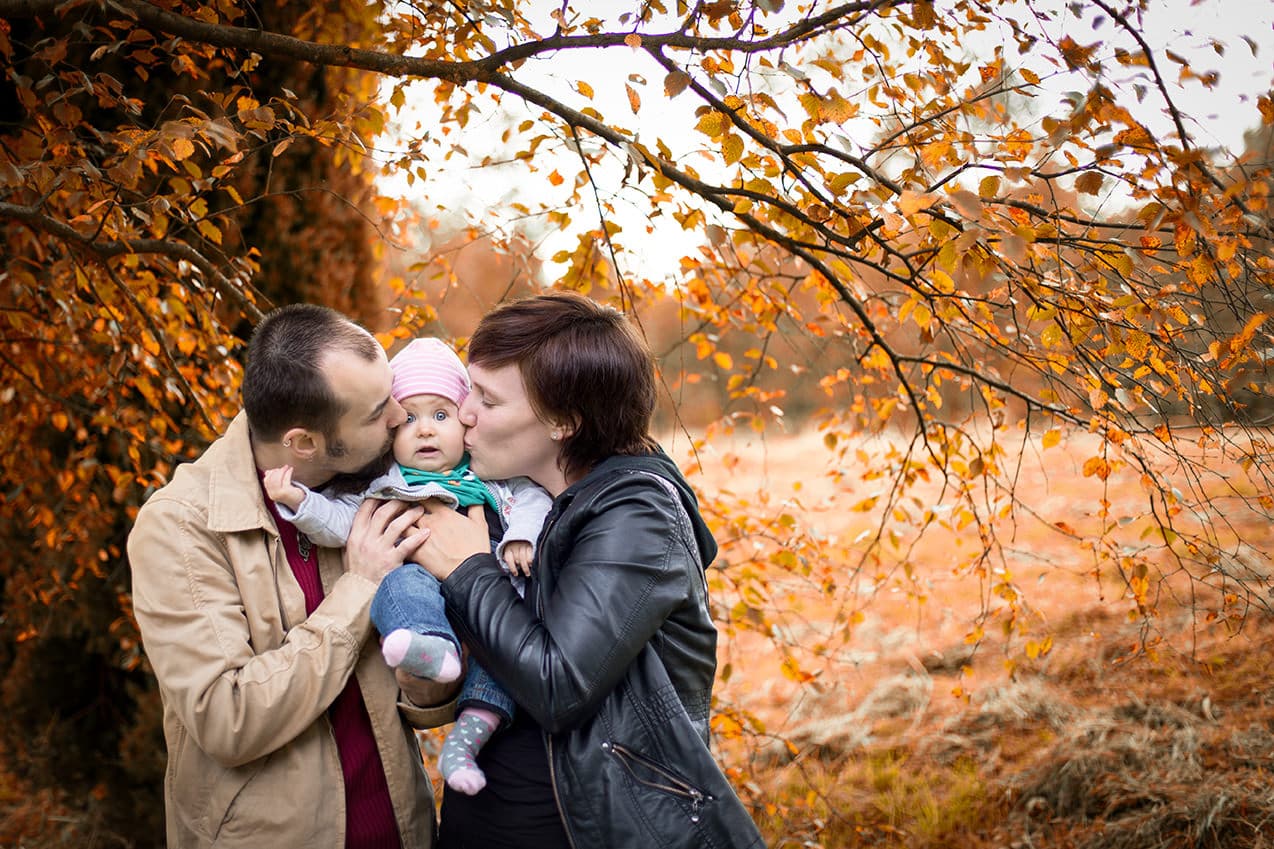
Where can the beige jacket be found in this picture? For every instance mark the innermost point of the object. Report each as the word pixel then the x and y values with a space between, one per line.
pixel 247 678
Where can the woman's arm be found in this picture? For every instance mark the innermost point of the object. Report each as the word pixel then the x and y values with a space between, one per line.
pixel 626 570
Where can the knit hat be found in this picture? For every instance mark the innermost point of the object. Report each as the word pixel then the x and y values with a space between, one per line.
pixel 428 366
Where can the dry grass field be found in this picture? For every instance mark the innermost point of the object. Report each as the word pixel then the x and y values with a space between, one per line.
pixel 1111 732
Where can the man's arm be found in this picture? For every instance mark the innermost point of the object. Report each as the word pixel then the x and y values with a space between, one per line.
pixel 240 700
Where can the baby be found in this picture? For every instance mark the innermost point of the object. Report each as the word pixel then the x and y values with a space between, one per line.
pixel 430 462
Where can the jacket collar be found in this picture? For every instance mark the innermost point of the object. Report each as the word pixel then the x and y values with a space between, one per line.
pixel 235 499
pixel 654 463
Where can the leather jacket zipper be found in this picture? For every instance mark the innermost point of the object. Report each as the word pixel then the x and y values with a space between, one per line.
pixel 566 826
pixel 668 781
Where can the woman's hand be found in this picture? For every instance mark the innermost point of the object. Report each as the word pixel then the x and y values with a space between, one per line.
pixel 451 538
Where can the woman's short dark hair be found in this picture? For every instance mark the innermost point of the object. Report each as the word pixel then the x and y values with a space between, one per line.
pixel 582 364
pixel 283 381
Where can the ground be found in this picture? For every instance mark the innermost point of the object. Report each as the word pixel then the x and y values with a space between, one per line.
pixel 1114 730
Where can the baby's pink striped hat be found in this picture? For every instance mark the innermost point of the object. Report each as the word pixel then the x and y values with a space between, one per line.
pixel 428 366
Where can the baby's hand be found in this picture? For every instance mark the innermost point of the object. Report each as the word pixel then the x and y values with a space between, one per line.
pixel 518 555
pixel 279 486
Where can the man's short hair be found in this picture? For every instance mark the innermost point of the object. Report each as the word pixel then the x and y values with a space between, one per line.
pixel 283 381
pixel 582 364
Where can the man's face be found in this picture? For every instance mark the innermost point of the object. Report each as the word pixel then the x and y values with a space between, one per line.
pixel 366 430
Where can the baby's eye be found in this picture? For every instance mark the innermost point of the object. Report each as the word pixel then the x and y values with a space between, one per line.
pixel 411 417
pixel 440 416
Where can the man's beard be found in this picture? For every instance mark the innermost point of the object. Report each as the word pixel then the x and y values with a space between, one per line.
pixel 357 480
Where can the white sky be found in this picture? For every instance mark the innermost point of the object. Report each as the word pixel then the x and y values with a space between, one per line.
pixel 1186 27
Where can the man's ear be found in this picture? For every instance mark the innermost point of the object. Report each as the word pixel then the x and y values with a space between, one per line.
pixel 302 443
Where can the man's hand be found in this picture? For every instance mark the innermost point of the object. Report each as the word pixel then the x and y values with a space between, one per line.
pixel 382 538
pixel 424 692
pixel 279 486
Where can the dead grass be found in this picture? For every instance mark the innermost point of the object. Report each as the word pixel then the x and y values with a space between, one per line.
pixel 908 737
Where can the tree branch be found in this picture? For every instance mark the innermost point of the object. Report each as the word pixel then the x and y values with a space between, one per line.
pixel 33 217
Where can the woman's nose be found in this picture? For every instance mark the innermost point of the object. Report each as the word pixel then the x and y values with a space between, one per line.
pixel 465 413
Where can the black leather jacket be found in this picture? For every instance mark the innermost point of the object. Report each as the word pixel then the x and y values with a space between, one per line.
pixel 614 653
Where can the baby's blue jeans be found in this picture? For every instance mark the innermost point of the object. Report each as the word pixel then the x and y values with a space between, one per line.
pixel 409 597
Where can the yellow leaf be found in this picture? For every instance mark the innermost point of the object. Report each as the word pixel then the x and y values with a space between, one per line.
pixel 989 187
pixel 723 360
pixel 210 231
pixel 584 89
pixel 1096 466
pixel 1136 344
pixel 632 40
pixel 732 148
pixel 910 202
pixel 182 148
pixel 812 105
pixel 837 109
pixel 634 100
pixel 1051 438
pixel 842 181
pixel 922 316
pixel 712 124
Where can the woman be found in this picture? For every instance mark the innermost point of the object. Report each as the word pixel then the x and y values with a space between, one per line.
pixel 611 656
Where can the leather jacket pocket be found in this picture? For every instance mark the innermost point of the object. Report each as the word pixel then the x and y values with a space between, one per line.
pixel 654 776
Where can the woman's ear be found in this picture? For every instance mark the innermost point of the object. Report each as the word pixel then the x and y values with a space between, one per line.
pixel 561 430
pixel 301 442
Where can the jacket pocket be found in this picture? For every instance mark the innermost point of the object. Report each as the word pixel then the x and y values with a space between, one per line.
pixel 654 776
pixel 224 796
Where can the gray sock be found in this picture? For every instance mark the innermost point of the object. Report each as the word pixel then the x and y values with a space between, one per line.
pixel 422 655
pixel 459 750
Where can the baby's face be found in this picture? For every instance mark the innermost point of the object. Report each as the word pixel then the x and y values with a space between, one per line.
pixel 432 438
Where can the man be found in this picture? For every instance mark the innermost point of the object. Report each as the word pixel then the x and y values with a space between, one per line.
pixel 283 724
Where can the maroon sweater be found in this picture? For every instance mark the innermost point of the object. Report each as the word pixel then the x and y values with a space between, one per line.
pixel 369 814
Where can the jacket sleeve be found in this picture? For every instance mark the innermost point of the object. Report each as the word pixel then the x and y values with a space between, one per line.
pixel 326 519
pixel 241 690
pixel 626 571
pixel 529 503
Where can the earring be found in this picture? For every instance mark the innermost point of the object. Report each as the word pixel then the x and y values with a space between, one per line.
pixel 555 435
pixel 287 443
